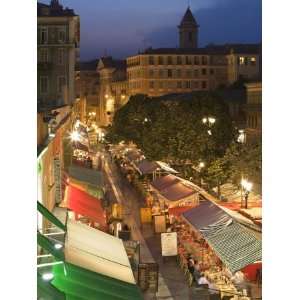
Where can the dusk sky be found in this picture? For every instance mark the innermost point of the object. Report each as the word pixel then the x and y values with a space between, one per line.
pixel 123 27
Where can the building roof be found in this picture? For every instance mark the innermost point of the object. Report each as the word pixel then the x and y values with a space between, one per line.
pixel 209 50
pixel 109 62
pixel 188 19
pixel 53 10
pixel 88 65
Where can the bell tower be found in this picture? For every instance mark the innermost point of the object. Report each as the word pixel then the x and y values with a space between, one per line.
pixel 188 31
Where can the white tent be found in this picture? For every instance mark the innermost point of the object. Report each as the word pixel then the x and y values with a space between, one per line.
pixel 97 251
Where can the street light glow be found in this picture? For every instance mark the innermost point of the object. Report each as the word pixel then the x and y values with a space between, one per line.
pixel 75 136
pixel 204 120
pixel 58 246
pixel 211 120
pixel 246 185
pixel 201 165
pixel 47 276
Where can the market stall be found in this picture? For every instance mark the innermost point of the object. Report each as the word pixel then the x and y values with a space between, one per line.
pixel 97 251
pixel 90 176
pixel 86 208
pixel 219 243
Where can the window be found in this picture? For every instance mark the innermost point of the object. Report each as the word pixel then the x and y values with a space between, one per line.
pixel 61 83
pixel 44 35
pixel 151 60
pixel 61 34
pixel 203 71
pixel 169 73
pixel 204 84
pixel 241 60
pixel 188 84
pixel 151 73
pixel 161 73
pixel 170 62
pixel 179 84
pixel 188 60
pixel 188 74
pixel 253 61
pixel 196 84
pixel 61 56
pixel 151 84
pixel 196 73
pixel 160 60
pixel 196 60
pixel 178 73
pixel 161 84
pixel 44 84
pixel 179 60
pixel 204 60
pixel 43 57
pixel 246 61
pixel 211 71
pixel 190 36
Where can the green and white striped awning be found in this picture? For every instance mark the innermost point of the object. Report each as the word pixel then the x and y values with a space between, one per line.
pixel 236 246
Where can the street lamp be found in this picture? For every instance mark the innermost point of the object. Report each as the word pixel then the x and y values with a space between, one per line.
pixel 210 121
pixel 247 187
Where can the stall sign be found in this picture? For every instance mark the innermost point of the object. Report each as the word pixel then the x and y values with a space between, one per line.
pixel 117 211
pixel 143 277
pixel 160 224
pixel 146 215
pixel 57 179
pixel 153 276
pixel 169 244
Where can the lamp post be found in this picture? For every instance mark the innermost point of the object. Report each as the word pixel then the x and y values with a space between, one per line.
pixel 247 187
pixel 210 121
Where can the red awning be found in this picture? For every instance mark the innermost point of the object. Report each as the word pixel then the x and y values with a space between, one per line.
pixel 177 211
pixel 86 205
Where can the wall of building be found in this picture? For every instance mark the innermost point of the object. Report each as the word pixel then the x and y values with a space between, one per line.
pixel 56 59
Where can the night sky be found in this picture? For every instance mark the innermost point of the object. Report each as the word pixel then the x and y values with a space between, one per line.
pixel 123 27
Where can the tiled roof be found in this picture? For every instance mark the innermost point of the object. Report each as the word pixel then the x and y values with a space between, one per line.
pixel 209 50
pixel 53 10
pixel 109 62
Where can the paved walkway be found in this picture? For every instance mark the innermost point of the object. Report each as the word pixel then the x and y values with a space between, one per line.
pixel 172 285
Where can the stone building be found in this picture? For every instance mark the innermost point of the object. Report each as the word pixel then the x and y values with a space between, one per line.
pixel 88 88
pixel 253 111
pixel 156 72
pixel 113 87
pixel 58 49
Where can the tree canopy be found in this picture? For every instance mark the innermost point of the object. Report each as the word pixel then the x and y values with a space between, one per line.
pixel 170 127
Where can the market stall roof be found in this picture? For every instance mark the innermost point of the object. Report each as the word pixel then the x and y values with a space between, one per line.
pixel 146 167
pixel 165 167
pixel 178 210
pixel 80 146
pixel 97 251
pixel 92 190
pixel 87 175
pixel 133 155
pixel 81 284
pixel 233 244
pixel 163 182
pixel 84 204
pixel 177 191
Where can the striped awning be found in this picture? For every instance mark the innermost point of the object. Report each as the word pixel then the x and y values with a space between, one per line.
pixel 236 246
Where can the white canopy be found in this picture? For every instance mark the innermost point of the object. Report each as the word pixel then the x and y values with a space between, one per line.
pixel 97 251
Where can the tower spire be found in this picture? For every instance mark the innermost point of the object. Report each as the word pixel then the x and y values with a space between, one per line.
pixel 188 31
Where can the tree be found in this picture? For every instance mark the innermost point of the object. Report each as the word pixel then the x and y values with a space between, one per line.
pixel 170 127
